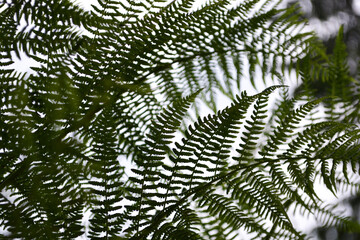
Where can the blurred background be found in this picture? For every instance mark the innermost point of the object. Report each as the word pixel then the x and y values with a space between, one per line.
pixel 326 17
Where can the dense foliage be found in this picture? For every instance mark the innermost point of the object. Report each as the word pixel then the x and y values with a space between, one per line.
pixel 97 140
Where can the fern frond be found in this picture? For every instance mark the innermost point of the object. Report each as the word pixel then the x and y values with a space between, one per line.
pixel 105 179
pixel 103 91
pixel 152 158
pixel 253 127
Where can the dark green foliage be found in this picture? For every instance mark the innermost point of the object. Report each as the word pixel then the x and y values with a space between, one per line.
pixel 96 127
pixel 105 178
